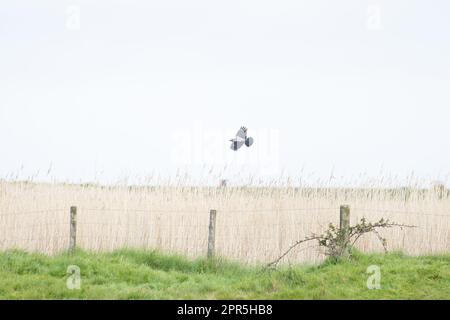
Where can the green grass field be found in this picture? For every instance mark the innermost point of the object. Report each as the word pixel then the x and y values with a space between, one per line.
pixel 133 274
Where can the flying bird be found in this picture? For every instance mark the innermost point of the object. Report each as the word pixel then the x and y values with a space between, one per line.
pixel 240 139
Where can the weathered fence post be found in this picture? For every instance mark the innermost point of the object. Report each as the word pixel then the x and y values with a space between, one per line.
pixel 212 233
pixel 73 229
pixel 344 224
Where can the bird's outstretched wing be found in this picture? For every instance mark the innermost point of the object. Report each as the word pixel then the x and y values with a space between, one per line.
pixel 241 134
pixel 249 141
pixel 235 144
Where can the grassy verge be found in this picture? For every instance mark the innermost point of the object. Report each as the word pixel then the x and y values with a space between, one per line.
pixel 133 274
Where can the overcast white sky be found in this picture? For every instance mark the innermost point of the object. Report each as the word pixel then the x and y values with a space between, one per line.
pixel 99 90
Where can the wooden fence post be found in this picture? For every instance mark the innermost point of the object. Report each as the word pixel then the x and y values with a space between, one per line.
pixel 344 224
pixel 73 229
pixel 212 233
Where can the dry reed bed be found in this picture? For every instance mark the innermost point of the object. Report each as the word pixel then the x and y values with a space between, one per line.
pixel 254 224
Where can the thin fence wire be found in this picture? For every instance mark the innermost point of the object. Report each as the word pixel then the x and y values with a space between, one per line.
pixel 125 225
pixel 40 224
pixel 165 224
pixel 278 210
pixel 180 223
pixel 141 210
pixel 127 210
pixel 406 212
pixel 19 213
pixel 49 238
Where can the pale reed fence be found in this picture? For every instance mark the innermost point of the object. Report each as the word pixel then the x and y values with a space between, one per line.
pixel 255 237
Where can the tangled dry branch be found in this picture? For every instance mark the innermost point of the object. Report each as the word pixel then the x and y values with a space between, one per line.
pixel 339 242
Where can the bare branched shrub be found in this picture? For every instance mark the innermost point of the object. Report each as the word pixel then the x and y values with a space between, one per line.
pixel 340 242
